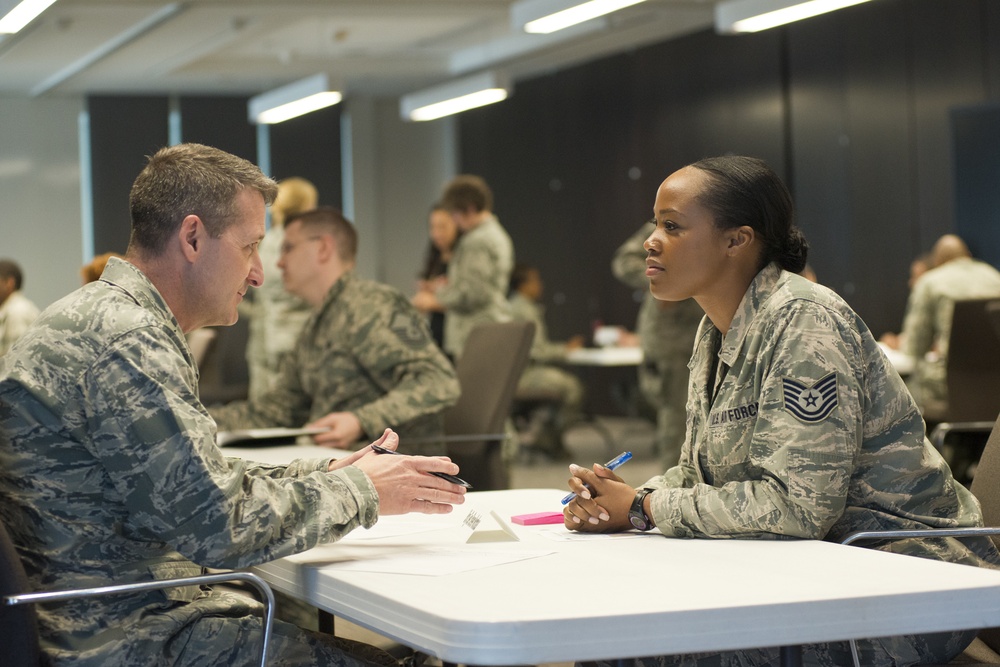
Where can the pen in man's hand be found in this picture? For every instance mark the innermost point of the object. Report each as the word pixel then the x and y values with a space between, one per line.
pixel 379 449
pixel 613 464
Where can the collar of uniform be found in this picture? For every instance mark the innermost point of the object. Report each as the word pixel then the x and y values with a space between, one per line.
pixel 338 288
pixel 127 277
pixel 761 288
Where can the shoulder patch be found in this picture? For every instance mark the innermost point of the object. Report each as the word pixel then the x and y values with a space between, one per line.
pixel 810 403
pixel 409 331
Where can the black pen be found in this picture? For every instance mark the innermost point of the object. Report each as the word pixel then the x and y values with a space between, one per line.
pixel 379 449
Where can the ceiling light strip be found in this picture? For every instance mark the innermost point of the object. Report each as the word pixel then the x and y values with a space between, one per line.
pixel 740 16
pixel 573 15
pixel 23 14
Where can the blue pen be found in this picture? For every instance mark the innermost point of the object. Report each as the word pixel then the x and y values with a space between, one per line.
pixel 613 464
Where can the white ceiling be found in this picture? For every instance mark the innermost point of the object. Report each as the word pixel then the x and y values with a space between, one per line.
pixel 378 47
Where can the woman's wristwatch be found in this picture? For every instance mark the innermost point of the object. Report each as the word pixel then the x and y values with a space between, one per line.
pixel 637 514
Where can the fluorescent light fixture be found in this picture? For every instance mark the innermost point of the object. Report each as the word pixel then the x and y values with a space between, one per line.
pixel 545 16
pixel 17 15
pixel 755 15
pixel 455 96
pixel 295 99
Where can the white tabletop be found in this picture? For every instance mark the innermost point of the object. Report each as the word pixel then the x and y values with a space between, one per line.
pixel 614 597
pixel 605 356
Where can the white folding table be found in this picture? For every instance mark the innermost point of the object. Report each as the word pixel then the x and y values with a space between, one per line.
pixel 615 597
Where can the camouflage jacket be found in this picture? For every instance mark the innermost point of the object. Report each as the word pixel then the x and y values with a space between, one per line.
pixel 367 351
pixel 478 277
pixel 109 473
pixel 811 433
pixel 927 325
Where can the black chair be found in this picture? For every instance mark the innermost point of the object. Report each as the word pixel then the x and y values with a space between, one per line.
pixel 973 377
pixel 985 650
pixel 19 623
pixel 491 364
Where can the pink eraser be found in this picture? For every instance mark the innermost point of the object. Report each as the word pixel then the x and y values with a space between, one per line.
pixel 538 518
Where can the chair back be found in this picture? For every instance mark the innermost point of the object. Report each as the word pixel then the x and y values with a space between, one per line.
pixel 18 624
pixel 493 358
pixel 973 367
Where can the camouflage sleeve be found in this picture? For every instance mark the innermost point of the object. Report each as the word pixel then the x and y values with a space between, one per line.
pixel 157 445
pixel 918 324
pixel 471 278
pixel 629 263
pixel 287 404
pixel 795 480
pixel 399 346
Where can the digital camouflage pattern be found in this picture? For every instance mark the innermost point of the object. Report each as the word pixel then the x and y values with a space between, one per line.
pixel 666 332
pixel 540 374
pixel 768 459
pixel 478 277
pixel 927 325
pixel 367 351
pixel 276 319
pixel 109 472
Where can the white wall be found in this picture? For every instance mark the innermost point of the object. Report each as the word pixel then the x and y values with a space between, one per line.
pixel 40 225
pixel 399 170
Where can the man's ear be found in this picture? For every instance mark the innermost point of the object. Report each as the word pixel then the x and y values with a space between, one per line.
pixel 740 240
pixel 191 237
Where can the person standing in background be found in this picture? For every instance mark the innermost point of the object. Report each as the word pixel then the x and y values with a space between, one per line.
pixel 276 316
pixel 666 333
pixel 444 235
pixel 475 288
pixel 17 312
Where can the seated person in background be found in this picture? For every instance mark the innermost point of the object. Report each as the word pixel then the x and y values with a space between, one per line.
pixel 918 267
pixel 276 316
pixel 92 271
pixel 17 312
pixel 927 324
pixel 365 360
pixel 798 427
pixel 666 334
pixel 110 469
pixel 540 376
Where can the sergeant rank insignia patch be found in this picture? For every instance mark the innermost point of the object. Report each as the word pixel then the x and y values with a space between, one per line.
pixel 810 404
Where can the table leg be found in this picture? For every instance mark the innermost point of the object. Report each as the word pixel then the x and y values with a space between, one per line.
pixel 791 656
pixel 325 622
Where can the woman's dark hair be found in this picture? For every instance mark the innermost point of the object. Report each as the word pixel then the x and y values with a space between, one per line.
pixel 745 191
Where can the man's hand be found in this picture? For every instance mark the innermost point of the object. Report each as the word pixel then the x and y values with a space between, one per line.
pixel 389 440
pixel 602 501
pixel 426 302
pixel 403 483
pixel 345 430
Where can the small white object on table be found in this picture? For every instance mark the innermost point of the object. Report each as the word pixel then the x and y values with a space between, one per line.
pixel 605 356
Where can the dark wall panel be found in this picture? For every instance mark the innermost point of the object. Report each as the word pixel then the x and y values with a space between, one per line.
pixel 977 173
pixel 851 108
pixel 220 122
pixel 123 131
pixel 309 147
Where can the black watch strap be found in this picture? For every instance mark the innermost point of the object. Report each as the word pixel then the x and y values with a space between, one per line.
pixel 637 514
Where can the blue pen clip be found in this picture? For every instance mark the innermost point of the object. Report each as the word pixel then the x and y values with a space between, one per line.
pixel 613 464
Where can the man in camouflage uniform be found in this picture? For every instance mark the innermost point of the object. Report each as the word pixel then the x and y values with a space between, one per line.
pixel 276 317
pixel 927 325
pixel 799 428
pixel 364 362
pixel 666 333
pixel 541 376
pixel 109 470
pixel 475 288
